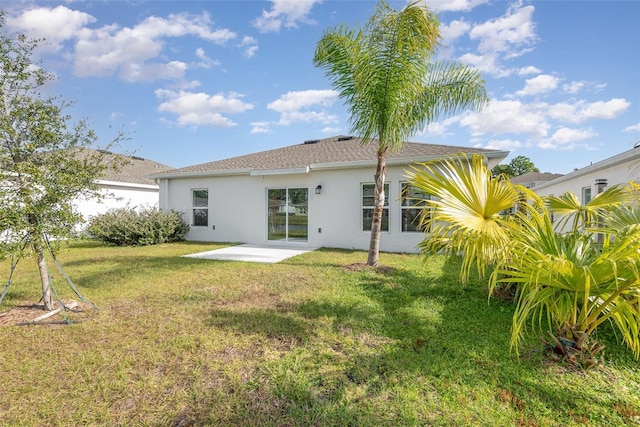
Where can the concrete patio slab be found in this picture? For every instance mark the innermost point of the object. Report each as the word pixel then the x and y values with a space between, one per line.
pixel 252 253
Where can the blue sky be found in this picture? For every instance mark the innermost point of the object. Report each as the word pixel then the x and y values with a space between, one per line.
pixel 196 81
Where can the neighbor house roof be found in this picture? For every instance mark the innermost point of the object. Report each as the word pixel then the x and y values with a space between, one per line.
pixel 534 178
pixel 632 155
pixel 135 170
pixel 330 153
pixel 129 169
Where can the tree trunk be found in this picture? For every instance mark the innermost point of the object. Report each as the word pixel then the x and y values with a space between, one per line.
pixel 44 275
pixel 378 206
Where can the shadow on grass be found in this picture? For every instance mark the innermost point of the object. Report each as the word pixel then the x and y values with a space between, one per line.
pixel 113 269
pixel 271 324
pixel 402 325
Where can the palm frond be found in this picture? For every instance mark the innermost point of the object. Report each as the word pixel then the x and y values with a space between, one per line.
pixel 569 208
pixel 464 215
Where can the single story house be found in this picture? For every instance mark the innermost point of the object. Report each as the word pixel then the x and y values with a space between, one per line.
pixel 586 182
pixel 317 194
pixel 126 187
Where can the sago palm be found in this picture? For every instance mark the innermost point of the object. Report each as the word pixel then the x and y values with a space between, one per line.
pixel 392 89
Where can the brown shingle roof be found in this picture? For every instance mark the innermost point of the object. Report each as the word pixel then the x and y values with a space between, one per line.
pixel 129 169
pixel 534 177
pixel 135 170
pixel 338 149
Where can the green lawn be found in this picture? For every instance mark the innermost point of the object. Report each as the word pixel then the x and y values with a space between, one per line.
pixel 314 340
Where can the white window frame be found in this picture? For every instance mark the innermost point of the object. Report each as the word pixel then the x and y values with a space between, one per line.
pixel 371 207
pixel 195 206
pixel 404 186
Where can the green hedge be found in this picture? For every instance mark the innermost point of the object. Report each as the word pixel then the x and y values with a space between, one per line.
pixel 130 227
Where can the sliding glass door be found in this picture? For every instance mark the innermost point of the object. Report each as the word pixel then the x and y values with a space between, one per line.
pixel 288 214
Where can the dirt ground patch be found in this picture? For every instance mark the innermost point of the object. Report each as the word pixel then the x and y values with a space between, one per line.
pixel 28 312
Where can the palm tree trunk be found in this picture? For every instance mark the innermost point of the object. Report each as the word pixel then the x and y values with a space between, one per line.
pixel 44 275
pixel 378 206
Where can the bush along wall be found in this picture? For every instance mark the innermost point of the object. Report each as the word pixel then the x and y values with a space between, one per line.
pixel 130 227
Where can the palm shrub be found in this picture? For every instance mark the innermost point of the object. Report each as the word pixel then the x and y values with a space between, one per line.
pixel 130 227
pixel 570 276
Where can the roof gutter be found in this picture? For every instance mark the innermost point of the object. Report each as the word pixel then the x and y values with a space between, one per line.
pixel 126 184
pixel 198 174
pixel 315 166
pixel 289 171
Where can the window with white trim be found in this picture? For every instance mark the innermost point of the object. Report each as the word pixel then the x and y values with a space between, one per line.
pixel 368 197
pixel 200 207
pixel 412 206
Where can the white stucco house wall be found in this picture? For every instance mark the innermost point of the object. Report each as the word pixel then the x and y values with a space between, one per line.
pixel 586 182
pixel 126 187
pixel 317 194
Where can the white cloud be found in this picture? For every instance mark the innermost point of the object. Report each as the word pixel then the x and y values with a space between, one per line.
pixel 285 12
pixel 307 117
pixel 535 120
pixel 605 109
pixel 501 144
pixel 581 111
pixel 293 101
pixel 250 46
pixel 539 84
pixel 524 71
pixel 54 25
pixel 633 128
pixel 577 86
pixel 453 30
pixel 128 51
pixel 134 72
pixel 510 31
pixel 296 106
pixel 200 108
pixel 487 63
pixel 435 129
pixel 453 5
pixel 205 61
pixel 573 87
pixel 566 138
pixel 502 38
pixel 507 117
pixel 260 127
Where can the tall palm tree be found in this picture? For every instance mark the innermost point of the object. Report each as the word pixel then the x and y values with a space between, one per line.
pixel 386 76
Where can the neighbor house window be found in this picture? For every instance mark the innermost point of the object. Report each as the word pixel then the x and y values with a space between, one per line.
pixel 413 203
pixel 586 195
pixel 200 207
pixel 368 192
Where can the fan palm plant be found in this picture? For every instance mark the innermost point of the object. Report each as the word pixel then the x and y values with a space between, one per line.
pixel 464 213
pixel 566 282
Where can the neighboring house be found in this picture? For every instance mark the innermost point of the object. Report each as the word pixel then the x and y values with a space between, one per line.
pixel 126 187
pixel 533 179
pixel 318 193
pixel 585 183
